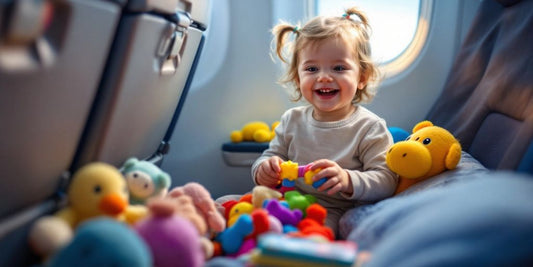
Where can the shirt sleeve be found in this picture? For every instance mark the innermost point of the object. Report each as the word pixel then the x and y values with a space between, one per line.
pixel 277 147
pixel 375 181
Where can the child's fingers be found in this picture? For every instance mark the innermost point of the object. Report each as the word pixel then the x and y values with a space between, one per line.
pixel 321 164
pixel 267 171
pixel 335 189
pixel 326 172
pixel 332 185
pixel 275 164
pixel 330 182
pixel 266 179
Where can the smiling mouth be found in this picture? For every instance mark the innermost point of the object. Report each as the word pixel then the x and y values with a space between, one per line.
pixel 327 92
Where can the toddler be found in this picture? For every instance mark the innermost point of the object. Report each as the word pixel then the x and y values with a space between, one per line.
pixel 330 67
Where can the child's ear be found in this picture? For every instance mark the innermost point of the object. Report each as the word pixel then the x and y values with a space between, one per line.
pixel 362 82
pixel 363 79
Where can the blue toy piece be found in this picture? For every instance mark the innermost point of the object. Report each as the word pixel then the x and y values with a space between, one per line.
pixel 232 238
pixel 287 228
pixel 290 171
pixel 289 183
pixel 398 134
pixel 104 242
pixel 318 183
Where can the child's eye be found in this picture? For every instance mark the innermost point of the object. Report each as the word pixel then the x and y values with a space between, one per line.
pixel 311 69
pixel 339 68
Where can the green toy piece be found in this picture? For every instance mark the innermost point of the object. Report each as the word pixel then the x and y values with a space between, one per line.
pixel 299 201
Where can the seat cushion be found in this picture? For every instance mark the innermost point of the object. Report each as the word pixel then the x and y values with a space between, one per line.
pixel 481 221
pixel 351 220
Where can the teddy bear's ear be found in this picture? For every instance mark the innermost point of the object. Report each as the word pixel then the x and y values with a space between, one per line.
pixel 453 156
pixel 163 180
pixel 421 125
pixel 130 162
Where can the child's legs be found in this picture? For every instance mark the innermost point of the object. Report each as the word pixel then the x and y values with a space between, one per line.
pixel 225 198
pixel 332 220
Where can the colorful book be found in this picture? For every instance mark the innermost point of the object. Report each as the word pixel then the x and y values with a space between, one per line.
pixel 283 250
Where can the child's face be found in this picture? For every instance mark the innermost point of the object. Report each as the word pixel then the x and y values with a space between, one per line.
pixel 329 77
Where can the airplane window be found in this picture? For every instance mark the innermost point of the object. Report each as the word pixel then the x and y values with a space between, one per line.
pixel 393 23
pixel 399 28
pixel 216 43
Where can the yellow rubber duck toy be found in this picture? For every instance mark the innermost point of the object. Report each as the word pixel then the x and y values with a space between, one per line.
pixel 99 189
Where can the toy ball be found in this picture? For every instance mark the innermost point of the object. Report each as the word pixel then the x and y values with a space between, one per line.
pixel 104 242
pixel 49 234
pixel 173 241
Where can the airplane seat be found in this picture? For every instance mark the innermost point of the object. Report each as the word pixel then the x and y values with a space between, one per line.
pixel 85 81
pixel 47 87
pixel 487 101
pixel 146 79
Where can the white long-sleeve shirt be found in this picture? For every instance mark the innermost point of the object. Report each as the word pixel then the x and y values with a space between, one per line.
pixel 357 143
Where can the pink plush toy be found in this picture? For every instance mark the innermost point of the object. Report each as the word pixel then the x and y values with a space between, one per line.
pixel 173 240
pixel 182 206
pixel 204 204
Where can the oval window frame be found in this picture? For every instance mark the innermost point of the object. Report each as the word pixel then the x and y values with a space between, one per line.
pixel 404 60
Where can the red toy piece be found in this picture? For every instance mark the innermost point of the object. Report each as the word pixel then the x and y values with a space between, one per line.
pixel 261 222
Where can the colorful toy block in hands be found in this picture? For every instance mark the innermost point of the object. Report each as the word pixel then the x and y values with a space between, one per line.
pixel 290 171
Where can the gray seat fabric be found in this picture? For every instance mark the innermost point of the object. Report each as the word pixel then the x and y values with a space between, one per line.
pixel 487 102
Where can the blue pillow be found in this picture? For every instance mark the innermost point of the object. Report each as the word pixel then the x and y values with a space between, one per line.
pixel 465 169
pixel 484 220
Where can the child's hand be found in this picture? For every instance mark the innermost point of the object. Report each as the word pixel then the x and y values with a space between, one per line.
pixel 338 179
pixel 268 172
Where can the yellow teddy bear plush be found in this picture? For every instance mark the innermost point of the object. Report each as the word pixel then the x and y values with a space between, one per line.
pixel 429 151
pixel 255 131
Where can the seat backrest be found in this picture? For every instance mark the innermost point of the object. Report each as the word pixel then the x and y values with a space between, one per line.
pixel 52 54
pixel 145 81
pixel 84 81
pixel 49 77
pixel 487 101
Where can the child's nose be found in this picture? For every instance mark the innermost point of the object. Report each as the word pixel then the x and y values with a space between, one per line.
pixel 324 77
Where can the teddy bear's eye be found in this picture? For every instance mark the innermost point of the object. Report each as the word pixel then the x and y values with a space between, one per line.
pixel 426 141
pixel 417 138
pixel 135 175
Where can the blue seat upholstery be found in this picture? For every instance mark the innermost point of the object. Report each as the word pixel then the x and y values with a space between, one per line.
pixel 487 101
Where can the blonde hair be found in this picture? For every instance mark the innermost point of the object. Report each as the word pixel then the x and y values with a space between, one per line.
pixel 349 30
